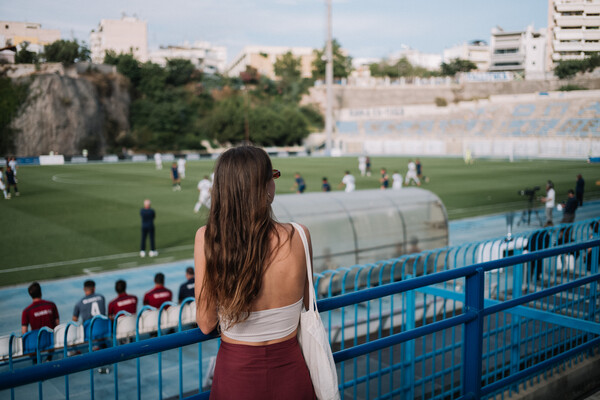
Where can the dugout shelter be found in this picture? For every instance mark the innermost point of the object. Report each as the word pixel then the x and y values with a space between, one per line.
pixel 366 226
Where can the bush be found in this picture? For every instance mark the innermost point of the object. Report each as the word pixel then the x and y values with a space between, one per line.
pixel 569 87
pixel 441 102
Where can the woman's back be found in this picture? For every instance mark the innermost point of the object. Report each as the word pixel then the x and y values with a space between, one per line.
pixel 251 280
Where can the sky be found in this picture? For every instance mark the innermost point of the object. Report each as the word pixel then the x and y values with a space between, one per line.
pixel 365 28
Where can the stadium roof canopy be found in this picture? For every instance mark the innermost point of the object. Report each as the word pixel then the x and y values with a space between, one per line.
pixel 366 226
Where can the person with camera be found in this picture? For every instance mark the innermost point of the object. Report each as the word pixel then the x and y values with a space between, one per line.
pixel 549 201
pixel 569 208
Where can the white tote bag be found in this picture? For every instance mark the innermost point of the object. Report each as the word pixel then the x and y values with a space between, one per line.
pixel 313 341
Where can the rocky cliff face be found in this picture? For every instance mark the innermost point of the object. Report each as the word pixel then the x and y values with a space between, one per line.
pixel 71 111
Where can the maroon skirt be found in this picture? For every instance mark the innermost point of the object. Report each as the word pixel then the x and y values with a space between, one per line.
pixel 275 371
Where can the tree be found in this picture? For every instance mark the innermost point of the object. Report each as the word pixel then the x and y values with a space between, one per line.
pixel 180 71
pixel 152 79
pixel 126 64
pixel 288 67
pixel 66 52
pixel 342 64
pixel 24 56
pixel 250 75
pixel 457 65
pixel 12 96
pixel 567 69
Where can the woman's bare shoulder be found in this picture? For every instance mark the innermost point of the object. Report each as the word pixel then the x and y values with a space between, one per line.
pixel 200 233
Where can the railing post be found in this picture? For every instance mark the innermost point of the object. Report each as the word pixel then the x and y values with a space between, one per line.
pixel 408 348
pixel 473 335
pixel 515 329
pixel 593 261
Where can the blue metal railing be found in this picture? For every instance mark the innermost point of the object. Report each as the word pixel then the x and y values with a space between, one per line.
pixel 499 300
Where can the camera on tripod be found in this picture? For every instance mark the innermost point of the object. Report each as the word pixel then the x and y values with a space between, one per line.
pixel 529 192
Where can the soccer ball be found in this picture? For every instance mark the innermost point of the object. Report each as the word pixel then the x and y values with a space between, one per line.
pixel 559 207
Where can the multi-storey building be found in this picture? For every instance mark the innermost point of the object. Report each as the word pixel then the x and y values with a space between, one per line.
pixel 521 52
pixel 15 33
pixel 415 57
pixel 573 29
pixel 477 51
pixel 127 35
pixel 203 55
pixel 263 59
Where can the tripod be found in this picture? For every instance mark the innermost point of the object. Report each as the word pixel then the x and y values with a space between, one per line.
pixel 526 214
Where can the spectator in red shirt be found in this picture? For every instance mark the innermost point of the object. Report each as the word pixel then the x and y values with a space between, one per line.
pixel 40 312
pixel 123 301
pixel 159 294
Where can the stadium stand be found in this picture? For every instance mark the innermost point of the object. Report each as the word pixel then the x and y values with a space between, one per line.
pixel 555 124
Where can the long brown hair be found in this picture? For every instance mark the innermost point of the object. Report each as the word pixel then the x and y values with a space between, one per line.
pixel 237 238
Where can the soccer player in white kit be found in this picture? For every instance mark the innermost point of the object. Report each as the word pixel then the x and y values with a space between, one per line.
pixel 158 160
pixel 204 187
pixel 362 165
pixel 397 181
pixel 181 167
pixel 349 181
pixel 412 174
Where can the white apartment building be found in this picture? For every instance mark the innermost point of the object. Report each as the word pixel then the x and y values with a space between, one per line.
pixel 14 33
pixel 477 51
pixel 263 59
pixel 203 55
pixel 415 57
pixel 573 29
pixel 126 35
pixel 521 52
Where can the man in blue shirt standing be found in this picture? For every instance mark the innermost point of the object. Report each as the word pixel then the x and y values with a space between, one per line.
pixel 148 216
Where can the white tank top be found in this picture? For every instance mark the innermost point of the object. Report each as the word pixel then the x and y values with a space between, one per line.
pixel 264 325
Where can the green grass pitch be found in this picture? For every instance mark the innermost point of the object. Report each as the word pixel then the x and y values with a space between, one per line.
pixel 74 218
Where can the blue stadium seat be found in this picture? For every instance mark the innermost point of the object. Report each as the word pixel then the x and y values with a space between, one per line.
pixel 30 341
pixel 101 329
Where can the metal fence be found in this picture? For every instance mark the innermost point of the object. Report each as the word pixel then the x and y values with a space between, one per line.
pixel 470 321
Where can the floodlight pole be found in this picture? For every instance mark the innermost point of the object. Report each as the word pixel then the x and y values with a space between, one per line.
pixel 329 84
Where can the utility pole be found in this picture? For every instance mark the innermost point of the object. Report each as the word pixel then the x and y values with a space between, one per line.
pixel 329 84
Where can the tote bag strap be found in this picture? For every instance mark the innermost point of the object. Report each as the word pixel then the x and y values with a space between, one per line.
pixel 312 306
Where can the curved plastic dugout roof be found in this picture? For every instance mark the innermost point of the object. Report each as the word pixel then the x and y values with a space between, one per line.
pixel 367 225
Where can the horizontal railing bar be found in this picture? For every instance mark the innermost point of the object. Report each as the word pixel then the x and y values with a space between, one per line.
pixel 443 276
pixel 111 355
pixel 521 311
pixel 496 308
pixel 539 367
pixel 397 338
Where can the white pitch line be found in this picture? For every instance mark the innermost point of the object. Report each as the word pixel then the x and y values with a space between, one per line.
pixel 88 260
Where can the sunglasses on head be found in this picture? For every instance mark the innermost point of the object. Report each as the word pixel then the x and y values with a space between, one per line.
pixel 276 173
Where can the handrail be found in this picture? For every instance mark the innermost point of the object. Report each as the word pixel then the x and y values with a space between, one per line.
pixel 84 362
pixel 473 312
pixel 115 344
pixel 137 339
pixel 66 354
pixel 163 306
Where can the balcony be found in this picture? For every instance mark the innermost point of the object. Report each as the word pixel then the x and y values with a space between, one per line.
pixel 558 57
pixel 508 58
pixel 575 46
pixel 576 20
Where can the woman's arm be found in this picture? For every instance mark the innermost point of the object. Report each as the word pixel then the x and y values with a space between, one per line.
pixel 206 314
